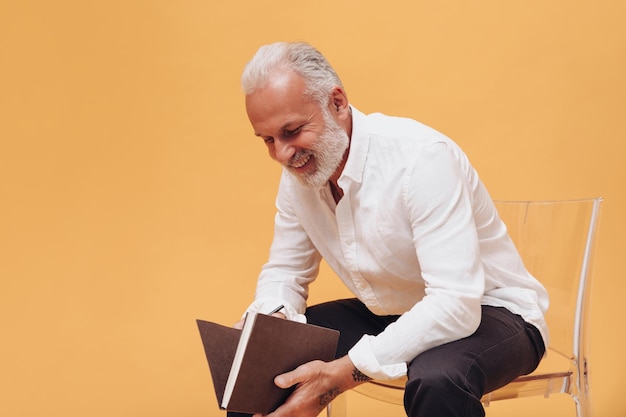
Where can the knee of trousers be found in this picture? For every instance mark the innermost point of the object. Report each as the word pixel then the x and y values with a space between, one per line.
pixel 444 387
pixel 444 381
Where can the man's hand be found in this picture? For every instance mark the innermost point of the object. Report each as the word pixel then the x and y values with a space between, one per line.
pixel 317 384
pixel 239 324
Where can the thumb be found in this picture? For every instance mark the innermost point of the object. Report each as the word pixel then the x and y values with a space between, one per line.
pixel 301 374
pixel 286 380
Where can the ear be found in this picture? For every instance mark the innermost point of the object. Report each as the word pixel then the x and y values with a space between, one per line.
pixel 339 105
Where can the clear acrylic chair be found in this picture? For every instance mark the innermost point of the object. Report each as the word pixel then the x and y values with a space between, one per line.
pixel 556 240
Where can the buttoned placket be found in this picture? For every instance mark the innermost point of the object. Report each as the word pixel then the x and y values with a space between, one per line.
pixel 349 247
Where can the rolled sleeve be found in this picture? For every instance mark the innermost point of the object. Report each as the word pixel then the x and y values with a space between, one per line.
pixel 364 359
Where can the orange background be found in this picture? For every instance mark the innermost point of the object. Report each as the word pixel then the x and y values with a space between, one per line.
pixel 134 197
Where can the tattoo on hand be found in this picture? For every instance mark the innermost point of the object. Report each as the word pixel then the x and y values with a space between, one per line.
pixel 328 396
pixel 358 376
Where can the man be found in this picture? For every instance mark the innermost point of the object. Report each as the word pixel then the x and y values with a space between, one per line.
pixel 400 215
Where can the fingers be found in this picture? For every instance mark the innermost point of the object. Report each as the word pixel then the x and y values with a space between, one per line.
pixel 301 374
pixel 239 324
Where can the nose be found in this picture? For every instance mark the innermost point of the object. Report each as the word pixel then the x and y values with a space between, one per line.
pixel 283 151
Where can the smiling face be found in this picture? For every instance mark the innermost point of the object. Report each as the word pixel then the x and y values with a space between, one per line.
pixel 300 135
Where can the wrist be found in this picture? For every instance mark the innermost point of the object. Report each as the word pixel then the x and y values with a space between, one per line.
pixel 351 375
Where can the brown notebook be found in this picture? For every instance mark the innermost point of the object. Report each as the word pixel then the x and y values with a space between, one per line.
pixel 266 347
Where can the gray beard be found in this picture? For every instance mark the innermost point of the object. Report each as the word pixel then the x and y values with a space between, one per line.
pixel 328 152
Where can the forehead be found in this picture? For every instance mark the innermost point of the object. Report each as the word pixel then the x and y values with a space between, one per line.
pixel 281 101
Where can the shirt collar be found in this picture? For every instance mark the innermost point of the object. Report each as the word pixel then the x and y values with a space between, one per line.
pixel 359 145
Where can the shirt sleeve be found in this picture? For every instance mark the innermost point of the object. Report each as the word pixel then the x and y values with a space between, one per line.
pixel 292 265
pixel 437 195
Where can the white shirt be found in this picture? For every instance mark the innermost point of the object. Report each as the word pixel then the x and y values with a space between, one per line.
pixel 415 234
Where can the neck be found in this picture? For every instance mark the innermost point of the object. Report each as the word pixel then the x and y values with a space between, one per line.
pixel 335 190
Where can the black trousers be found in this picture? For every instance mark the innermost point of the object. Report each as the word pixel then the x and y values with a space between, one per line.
pixel 448 380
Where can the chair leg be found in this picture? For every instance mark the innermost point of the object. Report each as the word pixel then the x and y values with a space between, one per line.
pixel 581 394
pixel 338 407
pixel 583 405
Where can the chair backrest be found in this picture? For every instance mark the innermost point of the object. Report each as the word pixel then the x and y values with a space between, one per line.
pixel 556 241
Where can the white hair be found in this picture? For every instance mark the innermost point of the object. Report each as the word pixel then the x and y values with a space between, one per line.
pixel 319 77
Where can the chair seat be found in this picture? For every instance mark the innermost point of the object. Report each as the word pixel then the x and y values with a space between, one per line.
pixel 531 385
pixel 553 375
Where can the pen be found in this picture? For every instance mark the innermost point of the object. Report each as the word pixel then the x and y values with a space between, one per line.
pixel 276 310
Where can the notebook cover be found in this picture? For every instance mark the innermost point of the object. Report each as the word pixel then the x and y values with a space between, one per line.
pixel 275 346
pixel 220 343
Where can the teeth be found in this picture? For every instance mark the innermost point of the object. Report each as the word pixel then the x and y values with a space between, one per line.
pixel 301 162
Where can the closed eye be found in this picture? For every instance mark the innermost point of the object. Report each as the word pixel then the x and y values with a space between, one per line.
pixel 293 132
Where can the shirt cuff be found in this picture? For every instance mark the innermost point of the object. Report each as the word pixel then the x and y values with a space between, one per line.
pixel 363 358
pixel 266 305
